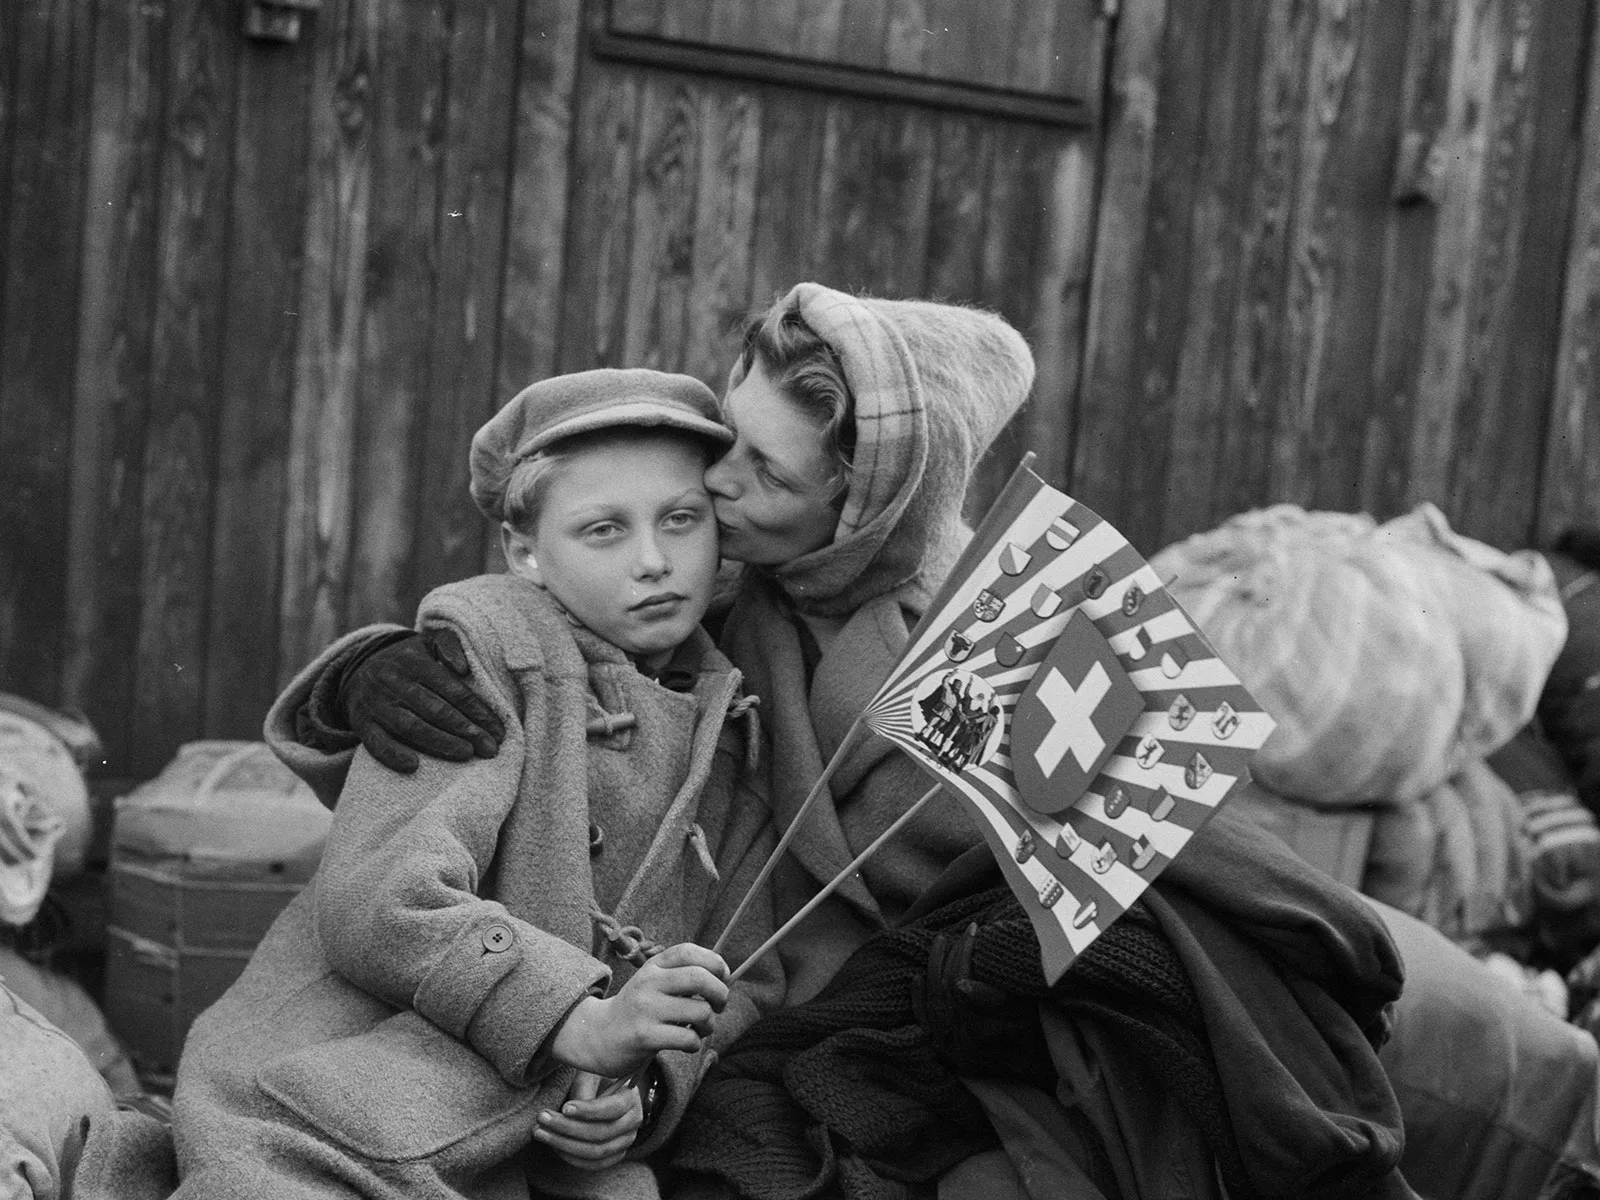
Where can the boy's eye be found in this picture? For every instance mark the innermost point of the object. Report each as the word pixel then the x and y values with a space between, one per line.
pixel 683 518
pixel 602 530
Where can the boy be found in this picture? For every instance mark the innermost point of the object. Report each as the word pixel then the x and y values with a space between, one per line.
pixel 435 1014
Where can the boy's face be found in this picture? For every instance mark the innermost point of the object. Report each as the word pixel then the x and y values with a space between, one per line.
pixel 627 542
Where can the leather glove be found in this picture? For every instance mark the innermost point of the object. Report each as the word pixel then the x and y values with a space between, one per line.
pixel 974 1026
pixel 412 695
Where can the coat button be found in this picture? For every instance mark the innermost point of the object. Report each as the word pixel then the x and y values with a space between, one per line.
pixel 496 938
pixel 597 839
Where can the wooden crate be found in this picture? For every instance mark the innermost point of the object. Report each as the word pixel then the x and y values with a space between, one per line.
pixel 176 941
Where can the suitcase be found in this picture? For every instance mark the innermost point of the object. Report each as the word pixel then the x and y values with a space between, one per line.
pixel 203 859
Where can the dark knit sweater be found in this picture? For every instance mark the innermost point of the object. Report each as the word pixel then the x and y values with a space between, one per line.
pixel 859 1092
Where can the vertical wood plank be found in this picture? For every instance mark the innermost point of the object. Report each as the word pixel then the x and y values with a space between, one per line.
pixel 186 361
pixel 112 390
pixel 746 26
pixel 471 223
pixel 959 38
pixel 1061 300
pixel 1122 235
pixel 1033 43
pixel 963 147
pixel 1343 274
pixel 592 322
pixel 863 32
pixel 328 359
pixel 816 30
pixel 876 185
pixel 906 36
pixel 396 380
pixel 1013 240
pixel 1071 70
pixel 789 191
pixel 1570 494
pixel 662 262
pixel 1454 270
pixel 536 232
pixel 686 20
pixel 1328 249
pixel 49 92
pixel 719 297
pixel 1203 404
pixel 1411 224
pixel 267 226
pixel 641 17
pixel 1515 330
pixel 1258 366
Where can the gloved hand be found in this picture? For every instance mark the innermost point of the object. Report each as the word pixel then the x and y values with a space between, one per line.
pixel 411 695
pixel 975 1026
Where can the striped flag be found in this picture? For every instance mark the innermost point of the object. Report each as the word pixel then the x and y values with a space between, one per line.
pixel 1081 716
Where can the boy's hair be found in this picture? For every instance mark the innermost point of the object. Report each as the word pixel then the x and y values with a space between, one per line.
pixel 529 481
pixel 807 370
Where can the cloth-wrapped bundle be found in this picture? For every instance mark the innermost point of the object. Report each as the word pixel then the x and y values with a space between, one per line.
pixel 1389 654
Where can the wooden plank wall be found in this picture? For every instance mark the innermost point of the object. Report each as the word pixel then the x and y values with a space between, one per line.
pixel 1337 265
pixel 254 299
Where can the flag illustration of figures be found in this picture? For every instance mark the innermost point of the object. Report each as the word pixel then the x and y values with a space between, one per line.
pixel 1058 688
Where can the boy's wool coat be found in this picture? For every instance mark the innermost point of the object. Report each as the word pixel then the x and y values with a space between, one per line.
pixel 388 1031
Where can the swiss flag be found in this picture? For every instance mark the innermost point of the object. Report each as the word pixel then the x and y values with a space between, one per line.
pixel 1075 710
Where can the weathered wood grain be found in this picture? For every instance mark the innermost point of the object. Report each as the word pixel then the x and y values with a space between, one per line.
pixel 1257 371
pixel 1130 147
pixel 111 393
pixel 399 377
pixel 957 207
pixel 186 361
pixel 661 263
pixel 46 125
pixel 1412 218
pixel 538 216
pixel 266 221
pixel 474 178
pixel 788 193
pixel 725 209
pixel 1514 333
pixel 863 31
pixel 332 310
pixel 1443 356
pixel 592 318
pixel 1570 491
pixel 1203 400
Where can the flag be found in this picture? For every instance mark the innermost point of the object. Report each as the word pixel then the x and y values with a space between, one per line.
pixel 1084 720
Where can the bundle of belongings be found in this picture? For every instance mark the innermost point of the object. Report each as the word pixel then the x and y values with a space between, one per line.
pixel 45 831
pixel 1219 1040
pixel 1436 693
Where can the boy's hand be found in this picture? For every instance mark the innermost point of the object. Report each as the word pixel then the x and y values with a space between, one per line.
pixel 669 1004
pixel 412 695
pixel 592 1132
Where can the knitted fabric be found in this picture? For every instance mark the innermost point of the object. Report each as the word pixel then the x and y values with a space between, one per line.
pixel 859 1089
pixel 1256 991
pixel 933 385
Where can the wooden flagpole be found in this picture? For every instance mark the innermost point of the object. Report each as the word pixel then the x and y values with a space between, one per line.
pixel 836 882
pixel 794 827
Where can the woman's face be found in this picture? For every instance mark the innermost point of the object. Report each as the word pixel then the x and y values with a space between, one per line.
pixel 773 489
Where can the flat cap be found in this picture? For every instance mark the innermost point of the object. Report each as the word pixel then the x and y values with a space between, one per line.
pixel 545 412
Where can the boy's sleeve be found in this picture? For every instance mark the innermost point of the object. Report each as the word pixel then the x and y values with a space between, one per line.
pixel 397 909
pixel 303 727
pixel 746 845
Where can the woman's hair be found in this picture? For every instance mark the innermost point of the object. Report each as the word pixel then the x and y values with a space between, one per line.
pixel 806 369
pixel 529 481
